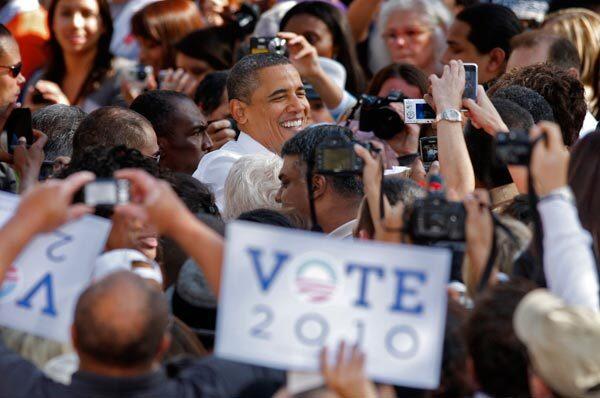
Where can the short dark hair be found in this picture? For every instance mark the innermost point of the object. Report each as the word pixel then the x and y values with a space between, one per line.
pixel 561 51
pixel 395 190
pixel 564 93
pixel 111 126
pixel 158 107
pixel 527 99
pixel 110 343
pixel 195 195
pixel 492 26
pixel 267 217
pixel 499 358
pixel 481 144
pixel 305 144
pixel 243 78
pixel 59 123
pixel 209 93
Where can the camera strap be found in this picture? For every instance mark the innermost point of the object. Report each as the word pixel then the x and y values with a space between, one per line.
pixel 315 227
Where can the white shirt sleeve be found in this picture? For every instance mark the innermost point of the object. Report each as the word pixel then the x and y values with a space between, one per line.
pixel 569 263
pixel 213 171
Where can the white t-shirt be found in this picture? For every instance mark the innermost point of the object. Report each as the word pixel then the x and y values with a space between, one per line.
pixel 214 166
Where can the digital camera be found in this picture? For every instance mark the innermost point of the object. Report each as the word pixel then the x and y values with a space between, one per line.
pixel 377 116
pixel 435 219
pixel 263 45
pixel 106 192
pixel 513 148
pixel 428 150
pixel 336 156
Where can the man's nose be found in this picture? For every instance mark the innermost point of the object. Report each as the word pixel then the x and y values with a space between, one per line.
pixel 278 196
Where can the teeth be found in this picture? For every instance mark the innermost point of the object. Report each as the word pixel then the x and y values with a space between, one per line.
pixel 292 123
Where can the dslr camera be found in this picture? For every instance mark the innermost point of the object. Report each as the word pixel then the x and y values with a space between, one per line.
pixel 434 219
pixel 377 116
pixel 513 148
pixel 336 156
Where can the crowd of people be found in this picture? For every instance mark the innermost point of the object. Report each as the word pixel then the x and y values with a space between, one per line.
pixel 216 111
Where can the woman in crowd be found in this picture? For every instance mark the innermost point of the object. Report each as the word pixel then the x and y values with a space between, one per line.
pixel 582 27
pixel 410 81
pixel 159 26
pixel 81 70
pixel 326 28
pixel 414 32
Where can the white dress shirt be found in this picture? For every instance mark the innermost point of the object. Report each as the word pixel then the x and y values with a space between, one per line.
pixel 214 166
pixel 344 231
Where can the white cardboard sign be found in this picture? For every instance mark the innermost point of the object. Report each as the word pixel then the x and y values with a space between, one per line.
pixel 41 288
pixel 285 294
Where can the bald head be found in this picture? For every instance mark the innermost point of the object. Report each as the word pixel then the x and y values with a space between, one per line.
pixel 111 126
pixel 120 321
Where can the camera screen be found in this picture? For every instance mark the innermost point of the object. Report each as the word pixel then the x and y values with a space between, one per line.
pixel 337 159
pixel 101 193
pixel 424 111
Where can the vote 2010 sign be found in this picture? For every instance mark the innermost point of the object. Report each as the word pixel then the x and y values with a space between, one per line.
pixel 285 294
pixel 42 286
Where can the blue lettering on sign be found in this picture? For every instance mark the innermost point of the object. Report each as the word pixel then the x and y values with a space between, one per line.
pixel 266 280
pixel 402 290
pixel 364 270
pixel 52 250
pixel 45 282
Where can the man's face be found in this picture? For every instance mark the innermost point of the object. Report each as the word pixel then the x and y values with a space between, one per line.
pixel 278 108
pixel 460 48
pixel 10 85
pixel 187 141
pixel 293 193
pixel 523 56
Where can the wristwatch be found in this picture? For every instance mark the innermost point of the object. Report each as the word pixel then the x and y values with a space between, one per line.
pixel 449 115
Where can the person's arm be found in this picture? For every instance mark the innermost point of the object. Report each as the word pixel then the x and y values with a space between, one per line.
pixel 455 163
pixel 360 15
pixel 155 200
pixel 42 209
pixel 306 60
pixel 569 263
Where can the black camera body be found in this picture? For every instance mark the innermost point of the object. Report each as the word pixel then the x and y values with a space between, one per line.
pixel 377 116
pixel 513 148
pixel 435 219
pixel 336 156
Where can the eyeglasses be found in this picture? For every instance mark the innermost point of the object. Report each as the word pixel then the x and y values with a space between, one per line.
pixel 15 70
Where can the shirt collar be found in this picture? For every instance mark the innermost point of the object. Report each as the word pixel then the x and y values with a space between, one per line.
pixel 250 145
pixel 344 231
pixel 98 384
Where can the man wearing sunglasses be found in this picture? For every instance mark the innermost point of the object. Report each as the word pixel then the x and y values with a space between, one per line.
pixel 11 78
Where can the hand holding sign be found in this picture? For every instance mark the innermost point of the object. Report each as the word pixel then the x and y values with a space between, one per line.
pixel 347 376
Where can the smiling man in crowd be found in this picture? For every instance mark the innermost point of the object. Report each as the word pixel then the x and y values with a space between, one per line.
pixel 268 102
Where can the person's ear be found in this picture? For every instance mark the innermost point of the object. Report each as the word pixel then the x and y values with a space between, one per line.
pixel 319 186
pixel 574 72
pixel 497 62
pixel 163 347
pixel 238 111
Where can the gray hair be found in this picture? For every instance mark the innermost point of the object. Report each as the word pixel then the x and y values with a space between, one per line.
pixel 437 13
pixel 59 123
pixel 252 183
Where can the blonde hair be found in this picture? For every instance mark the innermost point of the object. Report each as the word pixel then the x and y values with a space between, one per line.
pixel 582 27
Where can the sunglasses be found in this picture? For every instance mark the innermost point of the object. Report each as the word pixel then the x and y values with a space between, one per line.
pixel 15 70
